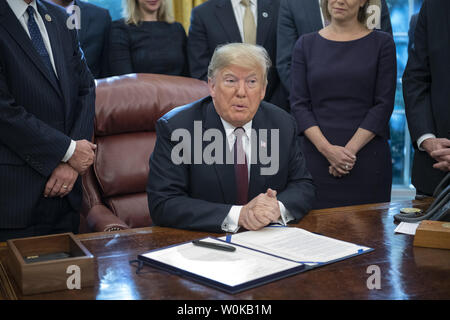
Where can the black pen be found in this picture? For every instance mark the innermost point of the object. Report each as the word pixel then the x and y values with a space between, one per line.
pixel 213 245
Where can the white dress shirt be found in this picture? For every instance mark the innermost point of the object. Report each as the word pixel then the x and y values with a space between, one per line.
pixel 423 138
pixel 19 7
pixel 239 11
pixel 230 223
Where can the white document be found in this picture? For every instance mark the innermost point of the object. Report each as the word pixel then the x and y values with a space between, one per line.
pixel 229 268
pixel 258 254
pixel 297 244
pixel 407 228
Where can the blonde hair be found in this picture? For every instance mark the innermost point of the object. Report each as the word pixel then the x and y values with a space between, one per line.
pixel 239 54
pixel 133 15
pixel 362 13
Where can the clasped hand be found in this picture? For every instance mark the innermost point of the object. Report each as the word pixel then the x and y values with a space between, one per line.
pixel 439 150
pixel 341 160
pixel 260 211
pixel 65 175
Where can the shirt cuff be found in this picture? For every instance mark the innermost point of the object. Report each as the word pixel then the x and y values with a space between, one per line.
pixel 70 151
pixel 285 216
pixel 423 138
pixel 230 223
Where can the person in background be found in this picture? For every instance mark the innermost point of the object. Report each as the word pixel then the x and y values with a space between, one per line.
pixel 217 22
pixel 412 28
pixel 342 95
pixel 148 41
pixel 298 17
pixel 426 83
pixel 47 106
pixel 93 24
pixel 235 189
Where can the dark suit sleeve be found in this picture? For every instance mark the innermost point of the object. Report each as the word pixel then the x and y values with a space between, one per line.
pixel 104 61
pixel 417 83
pixel 287 35
pixel 198 49
pixel 299 195
pixel 377 118
pixel 83 124
pixel 412 27
pixel 38 144
pixel 385 18
pixel 185 72
pixel 300 96
pixel 119 50
pixel 168 191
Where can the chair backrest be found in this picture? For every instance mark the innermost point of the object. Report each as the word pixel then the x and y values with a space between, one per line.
pixel 126 111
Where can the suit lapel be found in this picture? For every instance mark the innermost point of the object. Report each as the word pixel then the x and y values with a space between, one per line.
pixel 84 21
pixel 57 50
pixel 264 19
pixel 225 172
pixel 225 15
pixel 15 29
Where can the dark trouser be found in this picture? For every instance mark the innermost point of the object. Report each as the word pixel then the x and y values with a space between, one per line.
pixel 52 216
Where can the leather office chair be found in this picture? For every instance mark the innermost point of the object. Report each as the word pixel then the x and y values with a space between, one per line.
pixel 126 110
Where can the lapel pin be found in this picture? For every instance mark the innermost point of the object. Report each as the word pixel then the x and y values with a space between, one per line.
pixel 263 144
pixel 48 18
pixel 265 14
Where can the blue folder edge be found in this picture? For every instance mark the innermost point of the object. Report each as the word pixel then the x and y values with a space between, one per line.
pixel 244 286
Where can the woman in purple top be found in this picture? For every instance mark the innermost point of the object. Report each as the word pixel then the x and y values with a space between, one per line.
pixel 342 96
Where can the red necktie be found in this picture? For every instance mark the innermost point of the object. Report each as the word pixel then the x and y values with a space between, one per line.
pixel 240 168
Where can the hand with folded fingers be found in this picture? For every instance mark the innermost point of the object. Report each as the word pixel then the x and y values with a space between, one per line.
pixel 341 160
pixel 260 211
pixel 83 156
pixel 442 156
pixel 61 181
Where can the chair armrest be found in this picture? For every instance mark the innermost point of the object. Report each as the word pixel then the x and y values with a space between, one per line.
pixel 100 218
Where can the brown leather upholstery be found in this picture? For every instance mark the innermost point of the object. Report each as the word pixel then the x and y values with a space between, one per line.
pixel 126 110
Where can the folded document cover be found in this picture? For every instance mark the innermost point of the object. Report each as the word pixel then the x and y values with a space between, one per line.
pixel 260 257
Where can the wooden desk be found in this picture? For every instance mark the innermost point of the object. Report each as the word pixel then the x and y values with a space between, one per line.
pixel 407 272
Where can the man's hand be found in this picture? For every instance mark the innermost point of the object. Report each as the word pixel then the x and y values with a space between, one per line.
pixel 439 150
pixel 261 211
pixel 83 156
pixel 61 181
pixel 433 144
pixel 442 156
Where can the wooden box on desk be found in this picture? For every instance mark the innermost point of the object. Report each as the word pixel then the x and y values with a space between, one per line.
pixel 50 275
pixel 433 234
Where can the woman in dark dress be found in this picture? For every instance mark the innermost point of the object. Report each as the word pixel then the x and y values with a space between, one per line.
pixel 342 96
pixel 148 41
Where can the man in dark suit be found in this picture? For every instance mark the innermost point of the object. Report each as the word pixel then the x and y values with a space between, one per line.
pixel 298 17
pixel 229 183
pixel 426 84
pixel 218 22
pixel 412 27
pixel 93 24
pixel 46 117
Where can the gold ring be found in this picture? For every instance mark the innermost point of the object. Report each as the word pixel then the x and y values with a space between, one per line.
pixel 347 167
pixel 64 186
